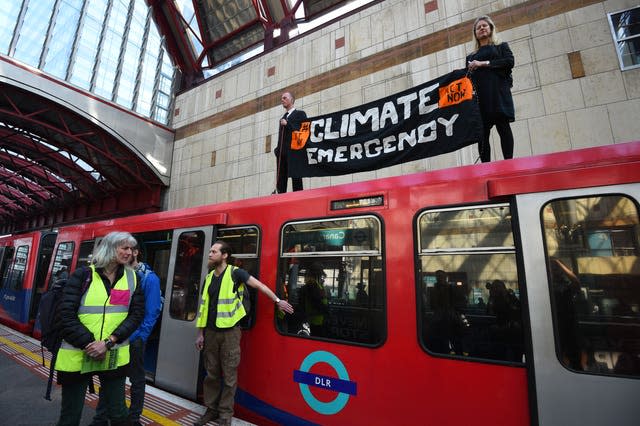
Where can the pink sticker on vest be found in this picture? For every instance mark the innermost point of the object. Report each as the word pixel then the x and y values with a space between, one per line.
pixel 119 297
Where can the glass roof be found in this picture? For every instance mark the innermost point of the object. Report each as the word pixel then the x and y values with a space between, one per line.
pixel 208 36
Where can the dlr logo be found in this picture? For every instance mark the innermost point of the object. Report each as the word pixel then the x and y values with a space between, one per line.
pixel 323 382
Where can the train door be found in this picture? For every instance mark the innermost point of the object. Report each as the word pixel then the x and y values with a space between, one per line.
pixel 178 359
pixel 583 283
pixel 15 290
pixel 45 252
pixel 154 249
pixel 60 269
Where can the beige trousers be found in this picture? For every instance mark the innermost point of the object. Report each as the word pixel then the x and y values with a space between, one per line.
pixel 221 359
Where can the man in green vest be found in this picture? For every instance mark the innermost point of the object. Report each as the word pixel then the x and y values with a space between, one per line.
pixel 100 307
pixel 314 299
pixel 219 333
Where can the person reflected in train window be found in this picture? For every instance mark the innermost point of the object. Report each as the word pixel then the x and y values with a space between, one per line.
pixel 506 332
pixel 569 304
pixel 490 68
pixel 219 332
pixel 362 298
pixel 100 307
pixel 313 299
pixel 150 284
pixel 481 304
pixel 446 327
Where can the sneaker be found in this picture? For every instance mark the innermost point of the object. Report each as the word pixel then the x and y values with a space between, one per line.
pixel 208 416
pixel 224 422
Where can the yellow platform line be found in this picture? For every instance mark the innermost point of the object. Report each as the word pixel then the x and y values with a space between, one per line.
pixel 151 415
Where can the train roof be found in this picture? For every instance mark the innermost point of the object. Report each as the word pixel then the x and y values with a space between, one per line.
pixel 579 168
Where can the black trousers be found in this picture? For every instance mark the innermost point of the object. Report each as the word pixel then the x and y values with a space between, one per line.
pixel 506 139
pixel 283 175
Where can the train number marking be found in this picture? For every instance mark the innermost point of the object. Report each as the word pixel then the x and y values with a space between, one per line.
pixel 342 385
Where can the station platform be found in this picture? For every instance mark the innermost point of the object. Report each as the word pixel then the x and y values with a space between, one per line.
pixel 23 382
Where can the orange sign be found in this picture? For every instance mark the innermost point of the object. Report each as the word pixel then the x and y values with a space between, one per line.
pixel 300 137
pixel 455 92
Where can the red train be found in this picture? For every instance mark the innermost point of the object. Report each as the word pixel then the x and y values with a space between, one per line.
pixel 501 293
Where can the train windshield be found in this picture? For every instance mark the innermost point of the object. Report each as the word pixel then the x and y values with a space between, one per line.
pixel 592 248
pixel 331 271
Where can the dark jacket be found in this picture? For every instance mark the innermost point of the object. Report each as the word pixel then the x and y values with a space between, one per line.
pixel 75 333
pixel 493 83
pixel 294 121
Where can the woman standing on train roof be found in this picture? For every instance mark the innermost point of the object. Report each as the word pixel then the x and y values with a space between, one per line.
pixel 490 68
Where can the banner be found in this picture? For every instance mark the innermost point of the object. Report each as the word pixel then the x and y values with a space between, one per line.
pixel 434 118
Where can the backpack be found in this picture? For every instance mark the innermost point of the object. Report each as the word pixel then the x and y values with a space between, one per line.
pixel 51 338
pixel 247 320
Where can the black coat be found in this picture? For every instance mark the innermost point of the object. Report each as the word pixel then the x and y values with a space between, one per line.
pixel 294 121
pixel 493 83
pixel 75 333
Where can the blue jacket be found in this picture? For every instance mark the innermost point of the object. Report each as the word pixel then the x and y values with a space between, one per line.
pixel 152 301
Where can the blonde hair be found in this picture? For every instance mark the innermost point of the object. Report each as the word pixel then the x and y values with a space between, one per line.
pixel 494 32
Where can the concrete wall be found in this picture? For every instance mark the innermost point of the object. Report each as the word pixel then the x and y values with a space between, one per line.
pixel 227 127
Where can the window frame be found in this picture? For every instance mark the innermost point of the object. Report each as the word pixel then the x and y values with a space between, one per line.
pixel 249 320
pixel 420 252
pixel 583 318
pixel 310 256
pixel 623 40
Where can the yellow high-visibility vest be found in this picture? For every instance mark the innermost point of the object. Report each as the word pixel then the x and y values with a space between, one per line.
pixel 230 309
pixel 101 317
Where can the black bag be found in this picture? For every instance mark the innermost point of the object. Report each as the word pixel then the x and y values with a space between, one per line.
pixel 248 295
pixel 47 310
pixel 51 338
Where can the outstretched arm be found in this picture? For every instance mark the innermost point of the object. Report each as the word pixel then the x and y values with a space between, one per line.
pixel 283 305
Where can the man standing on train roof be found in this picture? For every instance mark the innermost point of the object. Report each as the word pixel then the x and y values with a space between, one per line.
pixel 219 333
pixel 150 284
pixel 289 123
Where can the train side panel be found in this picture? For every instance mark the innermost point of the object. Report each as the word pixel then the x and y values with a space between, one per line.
pixel 490 230
pixel 18 269
pixel 395 383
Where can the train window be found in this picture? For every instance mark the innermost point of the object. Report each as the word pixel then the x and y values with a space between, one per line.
pixel 244 242
pixel 14 275
pixel 331 272
pixel 85 254
pixel 186 276
pixel 467 284
pixel 7 255
pixel 592 250
pixel 154 249
pixel 62 262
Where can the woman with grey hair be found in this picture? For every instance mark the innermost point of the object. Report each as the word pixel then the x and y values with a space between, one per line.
pixel 101 306
pixel 490 67
pixel 106 254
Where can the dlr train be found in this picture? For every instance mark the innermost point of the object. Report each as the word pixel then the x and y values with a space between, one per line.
pixel 503 293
